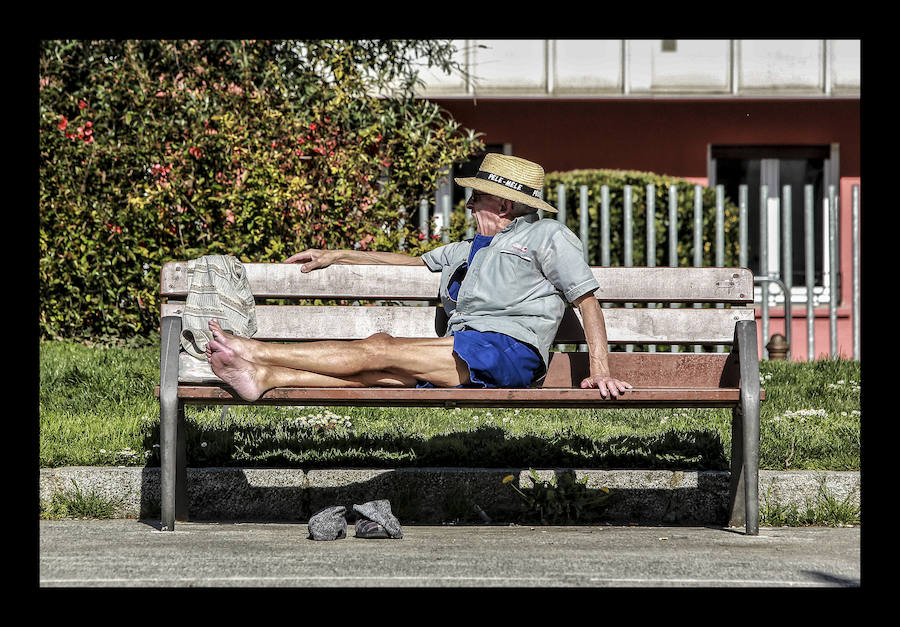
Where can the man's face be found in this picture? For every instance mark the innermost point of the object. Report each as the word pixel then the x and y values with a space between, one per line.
pixel 480 201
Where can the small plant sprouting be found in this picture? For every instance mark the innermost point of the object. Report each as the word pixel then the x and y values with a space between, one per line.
pixel 77 504
pixel 562 498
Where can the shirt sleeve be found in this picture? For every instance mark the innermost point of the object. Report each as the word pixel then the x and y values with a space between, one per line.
pixel 564 266
pixel 442 256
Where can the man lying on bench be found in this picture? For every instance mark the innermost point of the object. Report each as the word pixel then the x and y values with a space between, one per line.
pixel 505 293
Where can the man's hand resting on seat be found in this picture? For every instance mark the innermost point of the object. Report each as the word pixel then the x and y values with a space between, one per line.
pixel 608 386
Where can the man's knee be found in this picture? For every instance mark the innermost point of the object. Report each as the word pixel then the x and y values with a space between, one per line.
pixel 378 345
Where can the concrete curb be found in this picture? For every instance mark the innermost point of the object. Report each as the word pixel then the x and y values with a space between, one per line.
pixel 440 495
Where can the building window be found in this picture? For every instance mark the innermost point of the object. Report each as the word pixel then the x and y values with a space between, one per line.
pixel 775 167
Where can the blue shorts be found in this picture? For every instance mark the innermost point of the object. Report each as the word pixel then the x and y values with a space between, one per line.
pixel 495 360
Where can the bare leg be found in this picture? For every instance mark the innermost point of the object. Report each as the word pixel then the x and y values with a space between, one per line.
pixel 426 359
pixel 251 380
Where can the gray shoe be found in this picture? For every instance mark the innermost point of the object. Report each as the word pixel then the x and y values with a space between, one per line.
pixel 328 524
pixel 379 512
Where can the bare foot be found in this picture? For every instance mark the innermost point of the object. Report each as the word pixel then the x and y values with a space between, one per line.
pixel 243 347
pixel 237 372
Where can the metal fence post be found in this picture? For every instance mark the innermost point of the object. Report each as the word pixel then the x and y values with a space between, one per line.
pixel 584 216
pixel 743 228
pixel 423 217
pixel 787 215
pixel 604 229
pixel 604 225
pixel 445 213
pixel 561 203
pixel 673 240
pixel 810 257
pixel 833 258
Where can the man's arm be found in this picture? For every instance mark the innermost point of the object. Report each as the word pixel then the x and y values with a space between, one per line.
pixel 598 348
pixel 313 258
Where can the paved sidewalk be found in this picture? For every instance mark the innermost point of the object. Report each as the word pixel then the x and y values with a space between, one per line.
pixel 134 553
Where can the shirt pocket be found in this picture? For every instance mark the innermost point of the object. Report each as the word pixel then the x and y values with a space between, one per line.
pixel 516 253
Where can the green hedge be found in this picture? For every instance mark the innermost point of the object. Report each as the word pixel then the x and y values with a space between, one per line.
pixel 617 180
pixel 159 150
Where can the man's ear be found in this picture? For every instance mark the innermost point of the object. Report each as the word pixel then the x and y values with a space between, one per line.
pixel 506 208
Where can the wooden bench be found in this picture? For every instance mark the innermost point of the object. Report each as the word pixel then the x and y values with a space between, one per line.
pixel 660 379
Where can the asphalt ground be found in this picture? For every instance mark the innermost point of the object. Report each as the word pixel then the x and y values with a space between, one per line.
pixel 136 553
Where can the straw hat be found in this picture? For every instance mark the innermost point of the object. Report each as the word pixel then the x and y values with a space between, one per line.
pixel 510 177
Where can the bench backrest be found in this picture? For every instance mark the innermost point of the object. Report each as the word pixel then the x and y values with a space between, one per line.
pixel 380 291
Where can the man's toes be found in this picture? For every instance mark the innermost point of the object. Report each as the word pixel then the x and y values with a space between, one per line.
pixel 215 347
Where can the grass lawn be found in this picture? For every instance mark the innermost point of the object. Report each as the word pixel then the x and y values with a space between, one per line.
pixel 97 408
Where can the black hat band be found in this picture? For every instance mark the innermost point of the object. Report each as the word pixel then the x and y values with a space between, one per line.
pixel 513 185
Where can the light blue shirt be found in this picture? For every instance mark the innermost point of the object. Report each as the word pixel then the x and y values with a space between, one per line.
pixel 518 285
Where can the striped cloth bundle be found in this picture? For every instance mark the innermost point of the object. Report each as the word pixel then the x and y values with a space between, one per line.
pixel 217 288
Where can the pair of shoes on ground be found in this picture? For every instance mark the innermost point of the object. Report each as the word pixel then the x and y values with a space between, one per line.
pixel 376 521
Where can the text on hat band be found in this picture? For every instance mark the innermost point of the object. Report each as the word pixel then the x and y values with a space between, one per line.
pixel 514 185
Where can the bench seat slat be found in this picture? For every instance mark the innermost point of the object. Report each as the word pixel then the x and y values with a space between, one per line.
pixel 452 397
pixel 375 282
pixel 635 326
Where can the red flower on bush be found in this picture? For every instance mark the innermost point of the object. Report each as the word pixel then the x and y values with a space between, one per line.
pixel 63 123
pixel 82 104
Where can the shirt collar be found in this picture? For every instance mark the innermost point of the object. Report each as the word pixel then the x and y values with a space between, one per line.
pixel 528 218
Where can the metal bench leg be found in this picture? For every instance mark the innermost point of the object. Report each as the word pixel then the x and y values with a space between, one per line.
pixel 737 516
pixel 169 410
pixel 745 341
pixel 181 500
